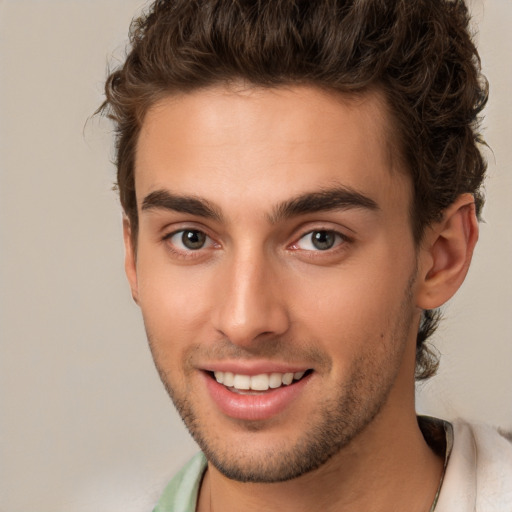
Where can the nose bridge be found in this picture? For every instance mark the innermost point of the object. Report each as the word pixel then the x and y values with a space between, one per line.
pixel 250 304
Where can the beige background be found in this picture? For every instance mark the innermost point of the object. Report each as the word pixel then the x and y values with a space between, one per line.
pixel 85 425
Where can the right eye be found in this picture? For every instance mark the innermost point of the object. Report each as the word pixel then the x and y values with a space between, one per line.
pixel 187 240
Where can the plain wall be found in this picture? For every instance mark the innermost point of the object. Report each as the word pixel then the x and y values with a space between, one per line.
pixel 85 425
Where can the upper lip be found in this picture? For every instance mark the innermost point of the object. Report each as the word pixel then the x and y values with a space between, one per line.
pixel 253 367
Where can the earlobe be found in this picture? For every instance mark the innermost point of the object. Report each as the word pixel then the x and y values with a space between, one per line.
pixel 130 263
pixel 446 252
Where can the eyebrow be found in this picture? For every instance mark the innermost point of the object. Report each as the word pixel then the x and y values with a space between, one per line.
pixel 164 200
pixel 339 198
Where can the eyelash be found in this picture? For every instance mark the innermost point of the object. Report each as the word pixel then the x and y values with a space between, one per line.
pixel 339 239
pixel 187 253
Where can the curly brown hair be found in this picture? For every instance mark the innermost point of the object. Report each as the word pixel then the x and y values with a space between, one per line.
pixel 419 53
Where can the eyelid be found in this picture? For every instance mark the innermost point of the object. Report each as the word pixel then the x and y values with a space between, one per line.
pixel 345 233
pixel 208 240
pixel 340 239
pixel 172 229
pixel 185 252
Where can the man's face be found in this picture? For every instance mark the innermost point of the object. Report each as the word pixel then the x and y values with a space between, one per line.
pixel 275 244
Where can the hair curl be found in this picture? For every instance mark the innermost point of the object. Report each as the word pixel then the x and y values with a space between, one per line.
pixel 419 53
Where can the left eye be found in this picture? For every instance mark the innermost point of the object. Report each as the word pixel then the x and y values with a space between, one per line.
pixel 321 240
pixel 189 239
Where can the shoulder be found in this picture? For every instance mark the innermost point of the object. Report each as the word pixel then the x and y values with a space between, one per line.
pixel 493 465
pixel 479 472
pixel 180 495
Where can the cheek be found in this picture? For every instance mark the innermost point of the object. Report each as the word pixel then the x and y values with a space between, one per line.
pixel 351 309
pixel 344 297
pixel 174 304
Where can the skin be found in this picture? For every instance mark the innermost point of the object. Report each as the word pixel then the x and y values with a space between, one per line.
pixel 259 292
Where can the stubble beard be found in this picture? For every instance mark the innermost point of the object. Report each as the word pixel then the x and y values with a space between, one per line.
pixel 338 421
pixel 341 420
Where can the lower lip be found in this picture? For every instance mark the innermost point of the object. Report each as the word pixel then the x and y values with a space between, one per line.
pixel 261 406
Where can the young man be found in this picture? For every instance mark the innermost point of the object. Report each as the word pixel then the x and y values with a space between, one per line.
pixel 301 184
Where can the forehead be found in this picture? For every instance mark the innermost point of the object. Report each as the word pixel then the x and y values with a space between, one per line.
pixel 222 143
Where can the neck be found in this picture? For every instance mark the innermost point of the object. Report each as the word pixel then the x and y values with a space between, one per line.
pixel 389 466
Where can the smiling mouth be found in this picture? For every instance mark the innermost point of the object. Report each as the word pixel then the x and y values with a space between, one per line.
pixel 239 383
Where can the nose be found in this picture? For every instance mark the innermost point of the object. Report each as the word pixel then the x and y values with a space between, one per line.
pixel 251 301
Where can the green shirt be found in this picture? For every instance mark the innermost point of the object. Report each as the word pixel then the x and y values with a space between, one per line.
pixel 181 493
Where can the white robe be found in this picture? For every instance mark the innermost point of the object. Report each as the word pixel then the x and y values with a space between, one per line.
pixel 478 477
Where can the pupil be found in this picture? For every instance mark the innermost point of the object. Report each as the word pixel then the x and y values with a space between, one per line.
pixel 193 239
pixel 323 240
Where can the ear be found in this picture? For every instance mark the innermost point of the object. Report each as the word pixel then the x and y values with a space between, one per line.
pixel 446 252
pixel 130 260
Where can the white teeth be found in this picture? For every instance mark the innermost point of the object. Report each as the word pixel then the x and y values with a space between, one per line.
pixel 287 379
pixel 242 382
pixel 275 380
pixel 229 379
pixel 261 382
